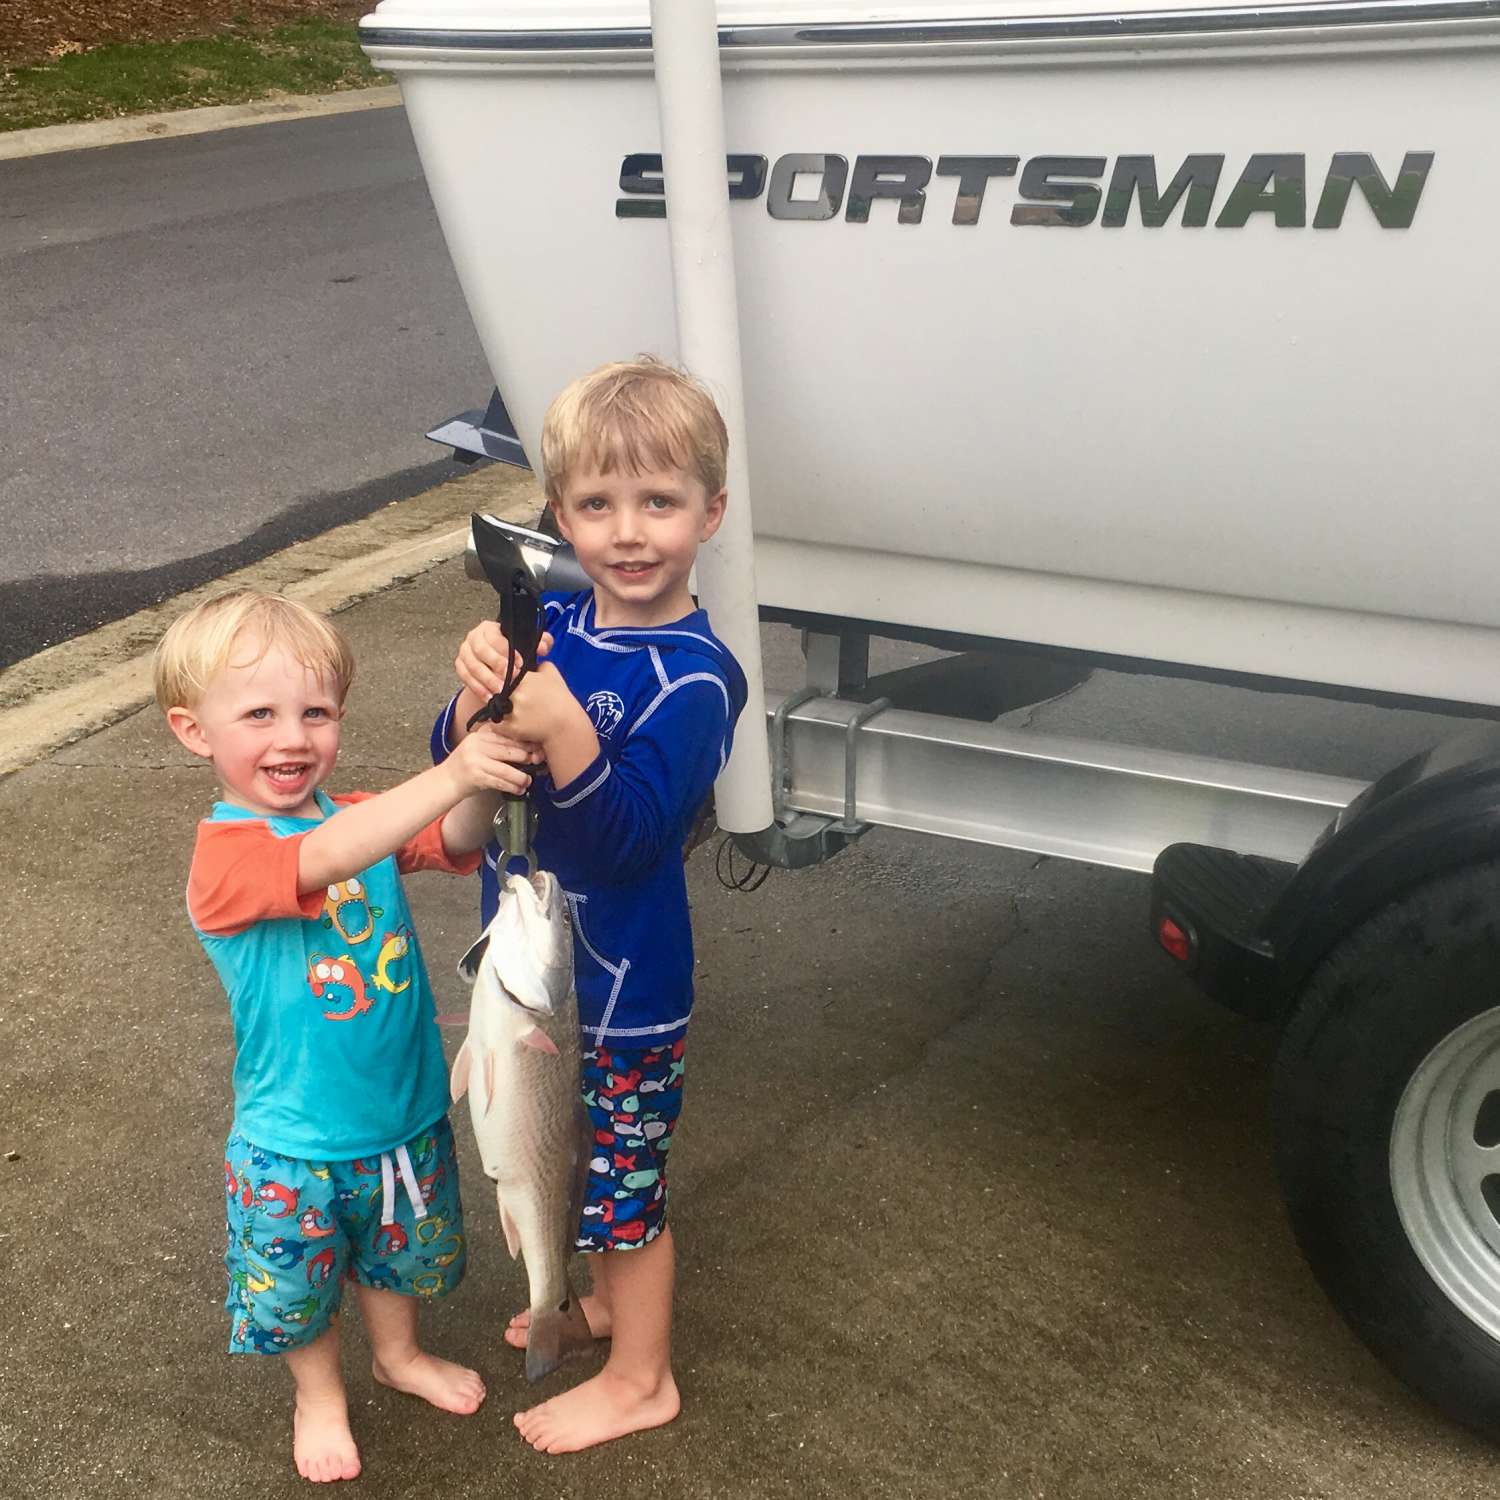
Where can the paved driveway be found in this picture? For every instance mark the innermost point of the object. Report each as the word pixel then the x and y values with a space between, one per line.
pixel 973 1195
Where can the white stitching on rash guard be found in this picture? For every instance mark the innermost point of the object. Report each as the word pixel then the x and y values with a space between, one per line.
pixel 593 786
pixel 667 691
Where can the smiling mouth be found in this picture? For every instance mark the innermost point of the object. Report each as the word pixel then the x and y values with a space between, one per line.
pixel 286 775
pixel 632 570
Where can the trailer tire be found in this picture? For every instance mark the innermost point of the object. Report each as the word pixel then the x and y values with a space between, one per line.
pixel 1386 1118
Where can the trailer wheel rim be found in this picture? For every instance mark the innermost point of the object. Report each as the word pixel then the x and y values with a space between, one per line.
pixel 1445 1167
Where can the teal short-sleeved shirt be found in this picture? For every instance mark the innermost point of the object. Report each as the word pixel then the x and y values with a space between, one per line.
pixel 337 1051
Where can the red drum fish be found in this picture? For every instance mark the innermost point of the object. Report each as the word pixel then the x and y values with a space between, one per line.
pixel 519 1067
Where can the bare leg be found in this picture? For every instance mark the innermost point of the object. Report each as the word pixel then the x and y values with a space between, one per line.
pixel 635 1389
pixel 322 1446
pixel 400 1364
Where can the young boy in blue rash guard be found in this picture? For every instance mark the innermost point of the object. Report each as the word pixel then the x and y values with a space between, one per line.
pixel 633 708
pixel 340 1163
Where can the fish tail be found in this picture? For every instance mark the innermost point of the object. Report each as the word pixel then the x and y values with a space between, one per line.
pixel 556 1333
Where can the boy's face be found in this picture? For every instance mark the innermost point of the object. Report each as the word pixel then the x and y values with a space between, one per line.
pixel 636 536
pixel 271 728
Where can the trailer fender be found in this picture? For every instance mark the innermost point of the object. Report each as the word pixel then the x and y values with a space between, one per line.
pixel 1436 812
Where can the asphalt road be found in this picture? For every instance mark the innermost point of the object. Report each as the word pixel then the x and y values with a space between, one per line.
pixel 209 348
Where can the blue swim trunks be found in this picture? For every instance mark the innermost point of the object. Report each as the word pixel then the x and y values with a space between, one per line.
pixel 298 1229
pixel 633 1099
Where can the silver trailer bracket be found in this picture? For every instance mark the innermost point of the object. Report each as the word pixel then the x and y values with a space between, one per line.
pixel 1117 805
pixel 851 824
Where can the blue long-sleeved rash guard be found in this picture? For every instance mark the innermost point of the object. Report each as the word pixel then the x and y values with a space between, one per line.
pixel 664 701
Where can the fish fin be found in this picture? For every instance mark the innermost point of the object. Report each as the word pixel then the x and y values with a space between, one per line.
pixel 528 990
pixel 458 1080
pixel 508 1224
pixel 539 1040
pixel 468 965
pixel 556 1334
pixel 516 970
pixel 489 1080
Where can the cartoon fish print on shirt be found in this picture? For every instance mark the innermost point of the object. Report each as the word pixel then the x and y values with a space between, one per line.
pixel 394 947
pixel 324 972
pixel 347 910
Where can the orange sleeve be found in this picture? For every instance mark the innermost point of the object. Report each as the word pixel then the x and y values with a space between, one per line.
pixel 243 874
pixel 424 851
pixel 428 852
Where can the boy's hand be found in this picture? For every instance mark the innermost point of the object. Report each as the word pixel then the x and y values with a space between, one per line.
pixel 490 760
pixel 481 659
pixel 541 705
pixel 544 711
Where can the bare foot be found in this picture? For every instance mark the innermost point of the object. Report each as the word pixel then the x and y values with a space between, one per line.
pixel 322 1445
pixel 595 1313
pixel 447 1386
pixel 600 1409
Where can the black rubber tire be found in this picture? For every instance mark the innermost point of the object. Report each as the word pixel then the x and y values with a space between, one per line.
pixel 1382 1000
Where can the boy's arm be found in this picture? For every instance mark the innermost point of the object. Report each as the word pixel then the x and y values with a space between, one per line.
pixel 620 816
pixel 360 834
pixel 443 741
pixel 571 743
pixel 465 706
pixel 471 825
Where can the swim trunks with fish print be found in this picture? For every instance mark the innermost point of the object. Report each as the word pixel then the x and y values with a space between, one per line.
pixel 633 1099
pixel 299 1229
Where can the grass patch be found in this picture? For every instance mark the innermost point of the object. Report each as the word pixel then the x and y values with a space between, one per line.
pixel 308 57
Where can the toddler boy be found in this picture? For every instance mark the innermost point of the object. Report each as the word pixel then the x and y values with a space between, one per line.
pixel 340 1161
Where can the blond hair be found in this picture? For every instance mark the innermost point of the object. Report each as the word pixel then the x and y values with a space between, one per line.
pixel 199 644
pixel 636 415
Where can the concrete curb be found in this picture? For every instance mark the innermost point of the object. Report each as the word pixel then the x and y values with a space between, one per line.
pixel 85 684
pixel 179 122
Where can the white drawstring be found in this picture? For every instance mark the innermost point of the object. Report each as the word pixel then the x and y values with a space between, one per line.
pixel 408 1181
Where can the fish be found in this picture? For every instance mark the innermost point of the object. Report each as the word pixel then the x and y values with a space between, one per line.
pixel 519 1065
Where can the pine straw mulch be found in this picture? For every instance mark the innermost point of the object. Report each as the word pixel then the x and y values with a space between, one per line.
pixel 32 33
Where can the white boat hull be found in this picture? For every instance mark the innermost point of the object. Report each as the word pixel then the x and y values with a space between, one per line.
pixel 1259 448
